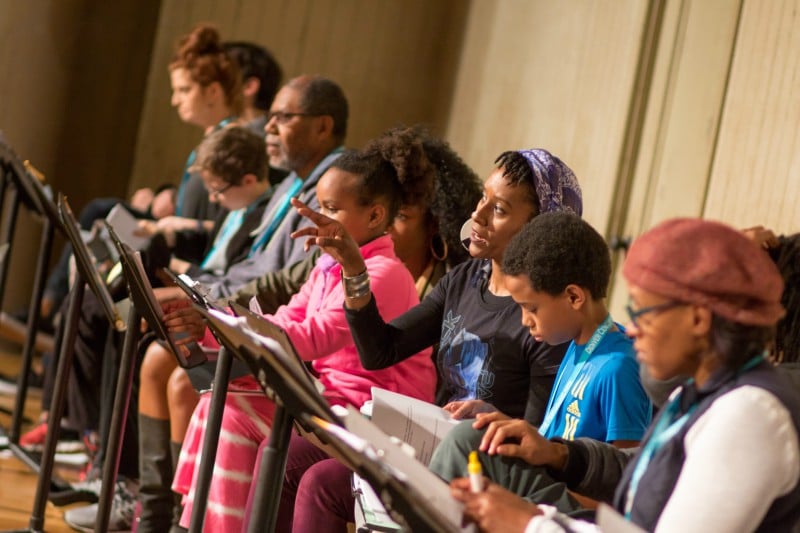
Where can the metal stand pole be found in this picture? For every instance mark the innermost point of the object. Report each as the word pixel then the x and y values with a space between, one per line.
pixel 33 326
pixel 211 440
pixel 57 405
pixel 119 415
pixel 266 499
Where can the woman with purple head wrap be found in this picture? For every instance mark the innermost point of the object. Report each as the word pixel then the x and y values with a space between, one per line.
pixel 556 185
pixel 541 178
pixel 486 359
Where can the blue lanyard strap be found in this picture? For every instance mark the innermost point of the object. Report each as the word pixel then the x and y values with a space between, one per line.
pixel 666 428
pixel 277 215
pixel 554 406
pixel 231 224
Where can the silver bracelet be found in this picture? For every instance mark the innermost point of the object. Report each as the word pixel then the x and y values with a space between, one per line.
pixel 356 286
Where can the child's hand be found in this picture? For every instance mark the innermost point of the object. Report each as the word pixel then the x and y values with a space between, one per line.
pixel 145 228
pixel 495 508
pixel 331 236
pixel 468 408
pixel 517 438
pixel 185 325
pixel 170 296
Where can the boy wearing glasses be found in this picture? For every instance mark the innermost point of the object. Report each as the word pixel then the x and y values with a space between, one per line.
pixel 557 269
pixel 232 163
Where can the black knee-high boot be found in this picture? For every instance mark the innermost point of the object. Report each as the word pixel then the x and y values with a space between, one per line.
pixel 155 475
pixel 177 508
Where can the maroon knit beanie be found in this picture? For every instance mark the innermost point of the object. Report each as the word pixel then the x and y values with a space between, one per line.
pixel 708 264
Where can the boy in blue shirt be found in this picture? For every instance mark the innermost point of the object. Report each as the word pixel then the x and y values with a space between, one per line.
pixel 557 269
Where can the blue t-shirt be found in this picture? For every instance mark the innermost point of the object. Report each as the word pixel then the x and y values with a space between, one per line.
pixel 607 401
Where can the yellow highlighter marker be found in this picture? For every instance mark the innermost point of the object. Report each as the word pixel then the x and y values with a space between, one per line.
pixel 475 472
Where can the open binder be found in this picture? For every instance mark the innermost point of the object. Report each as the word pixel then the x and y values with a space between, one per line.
pixel 146 304
pixel 416 496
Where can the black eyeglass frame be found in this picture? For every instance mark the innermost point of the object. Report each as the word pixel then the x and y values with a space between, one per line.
pixel 635 314
pixel 282 117
pixel 217 192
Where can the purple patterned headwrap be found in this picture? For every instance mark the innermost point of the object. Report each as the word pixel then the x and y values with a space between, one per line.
pixel 556 184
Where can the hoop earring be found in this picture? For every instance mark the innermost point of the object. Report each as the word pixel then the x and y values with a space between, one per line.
pixel 439 256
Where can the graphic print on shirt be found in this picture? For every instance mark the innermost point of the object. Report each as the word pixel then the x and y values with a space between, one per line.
pixel 463 358
pixel 572 412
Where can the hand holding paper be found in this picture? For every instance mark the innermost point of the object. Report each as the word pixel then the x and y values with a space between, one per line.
pixel 468 408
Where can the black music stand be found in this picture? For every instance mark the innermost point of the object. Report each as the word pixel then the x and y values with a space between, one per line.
pixel 65 349
pixel 28 189
pixel 402 483
pixel 51 222
pixel 86 274
pixel 144 306
pixel 144 299
pixel 85 266
pixel 283 376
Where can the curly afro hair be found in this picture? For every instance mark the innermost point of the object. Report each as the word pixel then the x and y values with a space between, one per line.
pixel 559 249
pixel 456 192
pixel 392 168
pixel 456 187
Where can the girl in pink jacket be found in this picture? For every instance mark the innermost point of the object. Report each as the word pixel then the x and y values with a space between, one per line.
pixel 362 191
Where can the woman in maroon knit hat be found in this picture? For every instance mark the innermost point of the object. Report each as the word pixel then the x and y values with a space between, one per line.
pixel 723 454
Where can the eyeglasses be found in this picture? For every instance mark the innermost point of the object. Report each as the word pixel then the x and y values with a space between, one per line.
pixel 217 192
pixel 282 117
pixel 635 314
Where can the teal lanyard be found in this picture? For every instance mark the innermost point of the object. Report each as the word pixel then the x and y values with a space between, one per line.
pixel 277 215
pixel 666 428
pixel 231 224
pixel 554 406
pixel 187 174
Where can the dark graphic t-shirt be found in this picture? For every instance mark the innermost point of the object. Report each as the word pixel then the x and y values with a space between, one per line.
pixel 484 350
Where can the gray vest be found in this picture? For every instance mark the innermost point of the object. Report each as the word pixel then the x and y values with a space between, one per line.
pixel 662 473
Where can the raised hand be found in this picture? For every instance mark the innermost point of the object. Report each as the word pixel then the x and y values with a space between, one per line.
pixel 332 237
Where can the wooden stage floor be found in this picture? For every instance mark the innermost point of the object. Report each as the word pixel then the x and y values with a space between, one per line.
pixel 17 481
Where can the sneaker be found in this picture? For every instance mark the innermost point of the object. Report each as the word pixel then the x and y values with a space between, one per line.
pixel 122 511
pixel 68 442
pixel 93 486
pixel 35 436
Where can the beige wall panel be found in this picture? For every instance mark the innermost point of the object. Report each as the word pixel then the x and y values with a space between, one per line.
pixel 756 172
pixel 556 75
pixel 683 116
pixel 70 101
pixel 394 59
pixel 37 41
